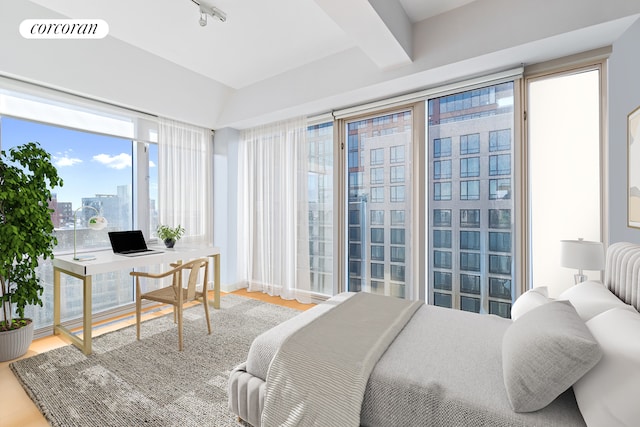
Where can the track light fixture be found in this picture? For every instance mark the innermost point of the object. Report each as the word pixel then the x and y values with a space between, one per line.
pixel 209 10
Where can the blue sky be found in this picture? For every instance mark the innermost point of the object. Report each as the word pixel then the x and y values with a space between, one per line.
pixel 89 164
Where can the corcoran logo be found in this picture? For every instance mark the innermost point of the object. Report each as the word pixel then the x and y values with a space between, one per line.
pixel 64 29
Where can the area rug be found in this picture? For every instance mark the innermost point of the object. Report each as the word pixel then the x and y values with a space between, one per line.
pixel 126 382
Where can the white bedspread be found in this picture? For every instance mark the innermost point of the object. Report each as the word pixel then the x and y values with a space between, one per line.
pixel 319 374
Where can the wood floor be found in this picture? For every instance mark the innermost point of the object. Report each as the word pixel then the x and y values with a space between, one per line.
pixel 17 409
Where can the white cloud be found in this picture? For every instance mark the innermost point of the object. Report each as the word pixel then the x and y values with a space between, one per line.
pixel 65 161
pixel 121 161
pixel 151 164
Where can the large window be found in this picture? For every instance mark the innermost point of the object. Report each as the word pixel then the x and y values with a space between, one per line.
pixel 385 142
pixel 473 132
pixel 98 174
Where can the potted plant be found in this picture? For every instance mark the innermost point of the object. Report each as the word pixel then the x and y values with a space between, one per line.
pixel 170 235
pixel 26 235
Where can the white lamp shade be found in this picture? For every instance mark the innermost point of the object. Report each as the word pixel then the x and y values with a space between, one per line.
pixel 582 254
pixel 97 223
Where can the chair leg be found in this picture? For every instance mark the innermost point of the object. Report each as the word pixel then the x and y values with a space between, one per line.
pixel 179 309
pixel 205 302
pixel 138 310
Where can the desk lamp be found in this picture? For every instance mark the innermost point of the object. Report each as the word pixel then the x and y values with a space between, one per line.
pixel 583 255
pixel 96 222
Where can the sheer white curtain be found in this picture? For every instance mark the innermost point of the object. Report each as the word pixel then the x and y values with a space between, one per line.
pixel 273 237
pixel 185 190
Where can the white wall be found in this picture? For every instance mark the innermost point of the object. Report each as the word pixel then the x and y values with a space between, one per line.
pixel 624 97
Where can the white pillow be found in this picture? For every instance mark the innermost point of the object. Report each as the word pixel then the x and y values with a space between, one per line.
pixel 592 298
pixel 608 394
pixel 528 301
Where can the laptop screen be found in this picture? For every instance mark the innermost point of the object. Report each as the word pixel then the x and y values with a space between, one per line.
pixel 123 241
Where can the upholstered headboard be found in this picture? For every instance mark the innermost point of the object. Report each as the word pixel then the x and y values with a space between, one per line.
pixel 622 272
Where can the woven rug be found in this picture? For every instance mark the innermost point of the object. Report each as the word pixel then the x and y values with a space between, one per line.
pixel 126 382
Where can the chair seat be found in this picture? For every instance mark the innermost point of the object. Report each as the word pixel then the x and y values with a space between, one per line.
pixel 167 295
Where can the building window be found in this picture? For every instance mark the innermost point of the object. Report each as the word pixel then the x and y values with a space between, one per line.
pixel 377 217
pixel 442 191
pixel 442 217
pixel 469 190
pixel 442 169
pixel 442 238
pixel 377 194
pixel 469 167
pixel 354 234
pixel 397 254
pixel 469 144
pixel 377 235
pixel 397 193
pixel 502 309
pixel 470 218
pixel 500 164
pixel 442 147
pixel 469 261
pixel 441 300
pixel 397 174
pixel 397 154
pixel 355 251
pixel 354 217
pixel 377 157
pixel 470 284
pixel 442 280
pixel 441 259
pixel 397 217
pixel 377 175
pixel 355 269
pixel 500 140
pixel 377 270
pixel 397 236
pixel 470 240
pixel 377 253
pixel 499 218
pixel 470 304
pixel 500 189
pixel 500 264
pixel 499 287
pixel 500 242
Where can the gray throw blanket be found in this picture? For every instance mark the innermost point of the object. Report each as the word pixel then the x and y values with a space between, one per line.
pixel 319 374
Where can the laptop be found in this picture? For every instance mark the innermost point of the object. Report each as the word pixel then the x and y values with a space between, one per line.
pixel 129 243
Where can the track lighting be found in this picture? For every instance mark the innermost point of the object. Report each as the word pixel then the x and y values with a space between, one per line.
pixel 209 10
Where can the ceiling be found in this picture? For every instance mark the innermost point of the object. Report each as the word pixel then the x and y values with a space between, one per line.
pixel 276 59
pixel 260 39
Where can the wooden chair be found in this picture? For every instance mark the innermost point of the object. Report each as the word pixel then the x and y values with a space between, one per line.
pixel 175 294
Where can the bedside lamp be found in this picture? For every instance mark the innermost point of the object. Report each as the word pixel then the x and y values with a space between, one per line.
pixel 582 255
pixel 96 222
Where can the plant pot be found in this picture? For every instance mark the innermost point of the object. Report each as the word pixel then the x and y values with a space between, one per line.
pixel 16 342
pixel 169 243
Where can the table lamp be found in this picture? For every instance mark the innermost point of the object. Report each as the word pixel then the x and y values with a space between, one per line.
pixel 96 222
pixel 583 255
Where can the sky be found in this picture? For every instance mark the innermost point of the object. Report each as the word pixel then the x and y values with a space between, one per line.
pixel 89 164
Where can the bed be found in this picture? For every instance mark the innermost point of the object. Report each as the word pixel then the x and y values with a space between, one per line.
pixel 570 361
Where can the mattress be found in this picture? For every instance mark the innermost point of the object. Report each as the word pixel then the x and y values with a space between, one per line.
pixel 444 368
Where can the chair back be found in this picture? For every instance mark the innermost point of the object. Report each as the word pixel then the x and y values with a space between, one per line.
pixel 194 268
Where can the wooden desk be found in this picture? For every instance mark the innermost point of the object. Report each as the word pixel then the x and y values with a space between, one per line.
pixel 107 261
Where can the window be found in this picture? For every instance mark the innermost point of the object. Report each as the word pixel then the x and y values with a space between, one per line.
pixel 397 154
pixel 442 238
pixel 442 169
pixel 377 235
pixel 500 140
pixel 397 193
pixel 469 167
pixel 397 236
pixel 442 280
pixel 397 254
pixel 499 287
pixel 377 194
pixel 354 217
pixel 474 131
pixel 442 191
pixel 377 253
pixel 377 175
pixel 377 270
pixel 500 264
pixel 442 217
pixel 470 144
pixel 377 157
pixel 469 190
pixel 442 147
pixel 397 217
pixel 397 272
pixel 500 164
pixel 377 217
pixel 354 234
pixel 397 174
pixel 355 251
